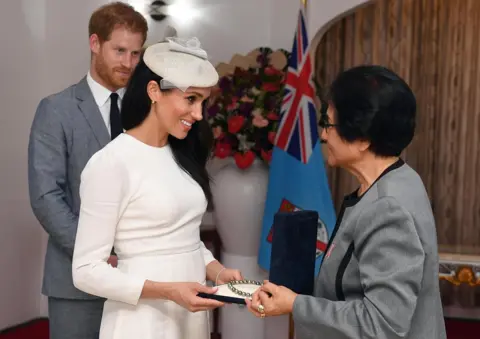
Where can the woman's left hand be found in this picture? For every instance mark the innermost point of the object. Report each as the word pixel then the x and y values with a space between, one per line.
pixel 280 302
pixel 228 275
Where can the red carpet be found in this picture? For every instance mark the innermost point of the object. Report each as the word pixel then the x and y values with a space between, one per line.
pixel 38 329
pixel 35 329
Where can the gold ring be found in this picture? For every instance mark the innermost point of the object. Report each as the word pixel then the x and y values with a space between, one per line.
pixel 261 309
pixel 262 315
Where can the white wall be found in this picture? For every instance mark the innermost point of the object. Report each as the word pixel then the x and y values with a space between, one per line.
pixel 21 240
pixel 44 48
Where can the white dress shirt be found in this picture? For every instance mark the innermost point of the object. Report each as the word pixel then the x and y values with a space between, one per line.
pixel 102 98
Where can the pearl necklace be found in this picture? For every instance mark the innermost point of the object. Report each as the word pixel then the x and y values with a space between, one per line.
pixel 244 282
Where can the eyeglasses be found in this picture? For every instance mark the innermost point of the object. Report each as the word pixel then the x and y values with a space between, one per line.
pixel 323 122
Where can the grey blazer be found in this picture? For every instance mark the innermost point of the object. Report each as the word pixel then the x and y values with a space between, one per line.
pixel 379 277
pixel 67 130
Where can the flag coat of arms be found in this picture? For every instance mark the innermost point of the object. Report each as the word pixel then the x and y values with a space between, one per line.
pixel 297 178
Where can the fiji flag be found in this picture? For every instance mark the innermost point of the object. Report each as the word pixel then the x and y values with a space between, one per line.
pixel 298 179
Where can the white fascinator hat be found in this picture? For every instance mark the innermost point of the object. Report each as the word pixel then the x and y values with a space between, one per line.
pixel 181 63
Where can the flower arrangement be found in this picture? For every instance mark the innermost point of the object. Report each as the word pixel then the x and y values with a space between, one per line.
pixel 244 110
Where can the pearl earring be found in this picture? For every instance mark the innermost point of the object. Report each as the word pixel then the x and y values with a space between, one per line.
pixel 153 101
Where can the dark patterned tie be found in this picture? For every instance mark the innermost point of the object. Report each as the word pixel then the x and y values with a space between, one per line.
pixel 115 120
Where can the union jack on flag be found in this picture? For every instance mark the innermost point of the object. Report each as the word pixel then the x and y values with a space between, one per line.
pixel 297 133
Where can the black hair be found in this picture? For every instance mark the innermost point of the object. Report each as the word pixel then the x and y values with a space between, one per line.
pixel 374 104
pixel 190 153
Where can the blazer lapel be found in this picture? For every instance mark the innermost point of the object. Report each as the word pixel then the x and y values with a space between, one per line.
pixel 91 112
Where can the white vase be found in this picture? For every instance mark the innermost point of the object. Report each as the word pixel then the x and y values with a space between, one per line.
pixel 239 201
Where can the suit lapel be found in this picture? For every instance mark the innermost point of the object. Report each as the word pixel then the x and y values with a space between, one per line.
pixel 91 112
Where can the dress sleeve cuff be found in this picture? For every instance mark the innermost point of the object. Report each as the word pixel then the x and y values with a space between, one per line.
pixel 207 255
pixel 134 291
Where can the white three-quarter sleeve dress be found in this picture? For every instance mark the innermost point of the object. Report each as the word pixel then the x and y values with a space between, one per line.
pixel 136 198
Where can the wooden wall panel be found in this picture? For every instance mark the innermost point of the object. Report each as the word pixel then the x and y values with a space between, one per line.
pixel 434 46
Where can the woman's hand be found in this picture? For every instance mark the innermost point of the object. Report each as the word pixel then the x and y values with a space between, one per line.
pixel 228 274
pixel 185 295
pixel 275 300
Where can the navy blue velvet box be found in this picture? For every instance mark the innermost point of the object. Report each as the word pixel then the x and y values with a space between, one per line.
pixel 292 261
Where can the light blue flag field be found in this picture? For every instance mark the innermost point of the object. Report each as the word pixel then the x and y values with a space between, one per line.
pixel 297 177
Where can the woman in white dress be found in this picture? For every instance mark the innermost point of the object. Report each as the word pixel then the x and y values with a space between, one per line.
pixel 145 194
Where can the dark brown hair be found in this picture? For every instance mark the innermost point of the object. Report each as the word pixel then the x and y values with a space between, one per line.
pixel 190 153
pixel 114 15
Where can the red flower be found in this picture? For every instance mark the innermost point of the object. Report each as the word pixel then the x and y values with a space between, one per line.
pixel 222 150
pixel 244 161
pixel 233 103
pixel 244 112
pixel 271 136
pixel 272 71
pixel 272 116
pixel 267 156
pixel 271 87
pixel 235 124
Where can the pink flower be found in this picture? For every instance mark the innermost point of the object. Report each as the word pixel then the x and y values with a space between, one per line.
pixel 259 121
pixel 257 112
pixel 245 98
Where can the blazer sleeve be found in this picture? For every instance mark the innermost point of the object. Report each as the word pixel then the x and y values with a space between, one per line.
pixel 104 193
pixel 391 259
pixel 47 176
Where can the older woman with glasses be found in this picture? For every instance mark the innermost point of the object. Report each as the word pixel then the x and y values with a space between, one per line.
pixel 379 276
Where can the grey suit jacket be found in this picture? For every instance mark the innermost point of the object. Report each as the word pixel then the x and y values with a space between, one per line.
pixel 67 130
pixel 379 277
